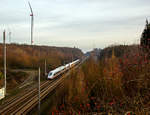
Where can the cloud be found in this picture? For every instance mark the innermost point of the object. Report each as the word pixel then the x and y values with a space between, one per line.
pixel 75 22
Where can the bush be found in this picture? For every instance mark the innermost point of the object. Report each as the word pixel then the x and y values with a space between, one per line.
pixel 1 75
pixel 114 84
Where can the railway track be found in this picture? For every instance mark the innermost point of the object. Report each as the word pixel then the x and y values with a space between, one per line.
pixel 28 100
pixel 14 103
pixel 26 107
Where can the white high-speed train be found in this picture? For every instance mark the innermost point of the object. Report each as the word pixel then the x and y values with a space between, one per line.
pixel 54 73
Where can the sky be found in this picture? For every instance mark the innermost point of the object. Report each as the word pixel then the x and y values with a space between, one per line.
pixel 85 24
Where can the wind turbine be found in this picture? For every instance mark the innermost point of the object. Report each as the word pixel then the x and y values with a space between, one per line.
pixel 32 22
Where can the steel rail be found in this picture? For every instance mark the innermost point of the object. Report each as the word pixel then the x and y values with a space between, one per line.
pixel 27 106
pixel 29 100
pixel 34 101
pixel 15 102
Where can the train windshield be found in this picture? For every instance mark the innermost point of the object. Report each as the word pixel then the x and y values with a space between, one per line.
pixel 50 74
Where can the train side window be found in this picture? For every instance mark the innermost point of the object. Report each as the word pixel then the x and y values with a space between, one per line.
pixel 55 73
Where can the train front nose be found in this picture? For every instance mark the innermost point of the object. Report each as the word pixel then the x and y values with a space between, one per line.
pixel 50 75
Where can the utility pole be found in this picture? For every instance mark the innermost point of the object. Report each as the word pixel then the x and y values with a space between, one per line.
pixel 4 39
pixel 39 90
pixel 45 68
pixel 72 56
pixel 32 22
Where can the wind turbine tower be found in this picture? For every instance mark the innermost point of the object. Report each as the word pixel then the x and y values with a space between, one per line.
pixel 32 22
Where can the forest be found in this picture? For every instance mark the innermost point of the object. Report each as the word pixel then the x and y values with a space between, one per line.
pixel 22 56
pixel 31 57
pixel 118 82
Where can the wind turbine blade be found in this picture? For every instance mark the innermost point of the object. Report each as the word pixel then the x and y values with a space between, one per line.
pixel 30 7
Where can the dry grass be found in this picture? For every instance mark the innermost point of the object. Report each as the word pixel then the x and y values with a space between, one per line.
pixel 113 85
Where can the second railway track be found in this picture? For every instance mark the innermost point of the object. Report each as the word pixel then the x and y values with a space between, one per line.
pixel 25 102
pixel 14 103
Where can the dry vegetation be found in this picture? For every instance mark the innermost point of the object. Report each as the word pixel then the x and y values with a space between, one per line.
pixel 31 57
pixel 117 83
pixel 26 56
